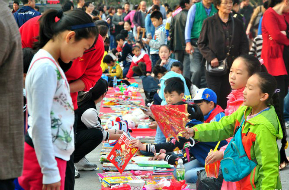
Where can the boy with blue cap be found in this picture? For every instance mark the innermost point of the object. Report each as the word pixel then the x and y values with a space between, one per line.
pixel 206 99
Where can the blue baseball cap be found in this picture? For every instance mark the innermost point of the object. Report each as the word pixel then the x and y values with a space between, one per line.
pixel 206 94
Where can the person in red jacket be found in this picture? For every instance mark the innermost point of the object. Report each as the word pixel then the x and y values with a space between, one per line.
pixel 139 56
pixel 82 75
pixel 275 38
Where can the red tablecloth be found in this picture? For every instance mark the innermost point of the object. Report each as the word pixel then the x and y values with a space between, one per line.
pixel 135 132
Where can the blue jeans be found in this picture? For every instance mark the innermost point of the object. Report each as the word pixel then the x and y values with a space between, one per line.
pixel 160 137
pixel 112 43
pixel 191 171
pixel 197 69
pixel 154 58
pixel 286 108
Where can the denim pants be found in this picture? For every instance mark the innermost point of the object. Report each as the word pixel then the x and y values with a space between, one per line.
pixel 160 137
pixel 286 108
pixel 197 68
pixel 154 59
pixel 112 43
pixel 191 171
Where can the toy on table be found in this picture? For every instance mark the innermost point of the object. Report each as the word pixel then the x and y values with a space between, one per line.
pixel 132 103
pixel 121 153
pixel 135 117
pixel 187 145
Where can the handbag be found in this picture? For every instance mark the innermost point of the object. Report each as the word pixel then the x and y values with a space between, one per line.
pixel 236 165
pixel 222 69
pixel 208 183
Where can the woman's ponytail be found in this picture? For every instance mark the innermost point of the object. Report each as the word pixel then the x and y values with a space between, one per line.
pixel 47 24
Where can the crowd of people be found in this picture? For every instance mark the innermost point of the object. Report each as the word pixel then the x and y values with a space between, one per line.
pixel 230 58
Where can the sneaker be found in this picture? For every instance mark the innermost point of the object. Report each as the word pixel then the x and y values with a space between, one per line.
pixel 84 164
pixel 77 174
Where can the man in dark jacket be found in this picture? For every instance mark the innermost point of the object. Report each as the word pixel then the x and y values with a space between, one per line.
pixel 139 16
pixel 196 16
pixel 26 12
pixel 178 42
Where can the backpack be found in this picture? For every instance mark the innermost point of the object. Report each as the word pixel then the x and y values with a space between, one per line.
pixel 236 165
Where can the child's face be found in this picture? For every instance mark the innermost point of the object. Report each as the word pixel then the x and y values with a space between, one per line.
pixel 72 49
pixel 120 43
pixel 119 11
pixel 206 107
pixel 110 64
pixel 238 74
pixel 156 22
pixel 136 52
pixel 252 93
pixel 160 75
pixel 176 70
pixel 164 53
pixel 127 26
pixel 173 98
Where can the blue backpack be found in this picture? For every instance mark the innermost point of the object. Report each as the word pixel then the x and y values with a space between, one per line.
pixel 236 165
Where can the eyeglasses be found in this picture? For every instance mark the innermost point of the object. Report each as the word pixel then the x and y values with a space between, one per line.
pixel 227 3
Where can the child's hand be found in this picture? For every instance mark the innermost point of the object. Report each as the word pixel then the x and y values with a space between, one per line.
pixel 149 112
pixel 53 186
pixel 189 133
pixel 153 125
pixel 214 157
pixel 164 62
pixel 147 41
pixel 158 156
pixel 137 144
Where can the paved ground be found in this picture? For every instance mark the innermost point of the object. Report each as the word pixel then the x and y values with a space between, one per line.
pixel 89 179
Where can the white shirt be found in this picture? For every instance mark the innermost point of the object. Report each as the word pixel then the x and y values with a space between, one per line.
pixel 51 114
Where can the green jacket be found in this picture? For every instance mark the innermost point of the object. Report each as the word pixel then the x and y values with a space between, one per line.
pixel 259 135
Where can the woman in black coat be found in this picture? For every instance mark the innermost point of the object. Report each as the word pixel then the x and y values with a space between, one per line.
pixel 214 43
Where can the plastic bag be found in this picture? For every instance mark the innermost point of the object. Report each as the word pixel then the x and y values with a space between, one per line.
pixel 176 185
pixel 213 169
pixel 209 183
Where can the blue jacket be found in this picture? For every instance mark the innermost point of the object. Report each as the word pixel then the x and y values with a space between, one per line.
pixel 150 29
pixel 201 149
pixel 24 14
pixel 168 75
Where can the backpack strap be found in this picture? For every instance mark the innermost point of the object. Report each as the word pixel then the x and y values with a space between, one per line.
pixel 240 126
pixel 54 64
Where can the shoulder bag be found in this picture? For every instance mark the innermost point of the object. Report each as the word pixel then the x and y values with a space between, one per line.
pixel 222 69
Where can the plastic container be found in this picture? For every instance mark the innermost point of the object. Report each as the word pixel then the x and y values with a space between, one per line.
pixel 180 170
pixel 114 82
pixel 136 184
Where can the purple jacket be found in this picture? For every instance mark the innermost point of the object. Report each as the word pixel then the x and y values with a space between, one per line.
pixel 137 19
